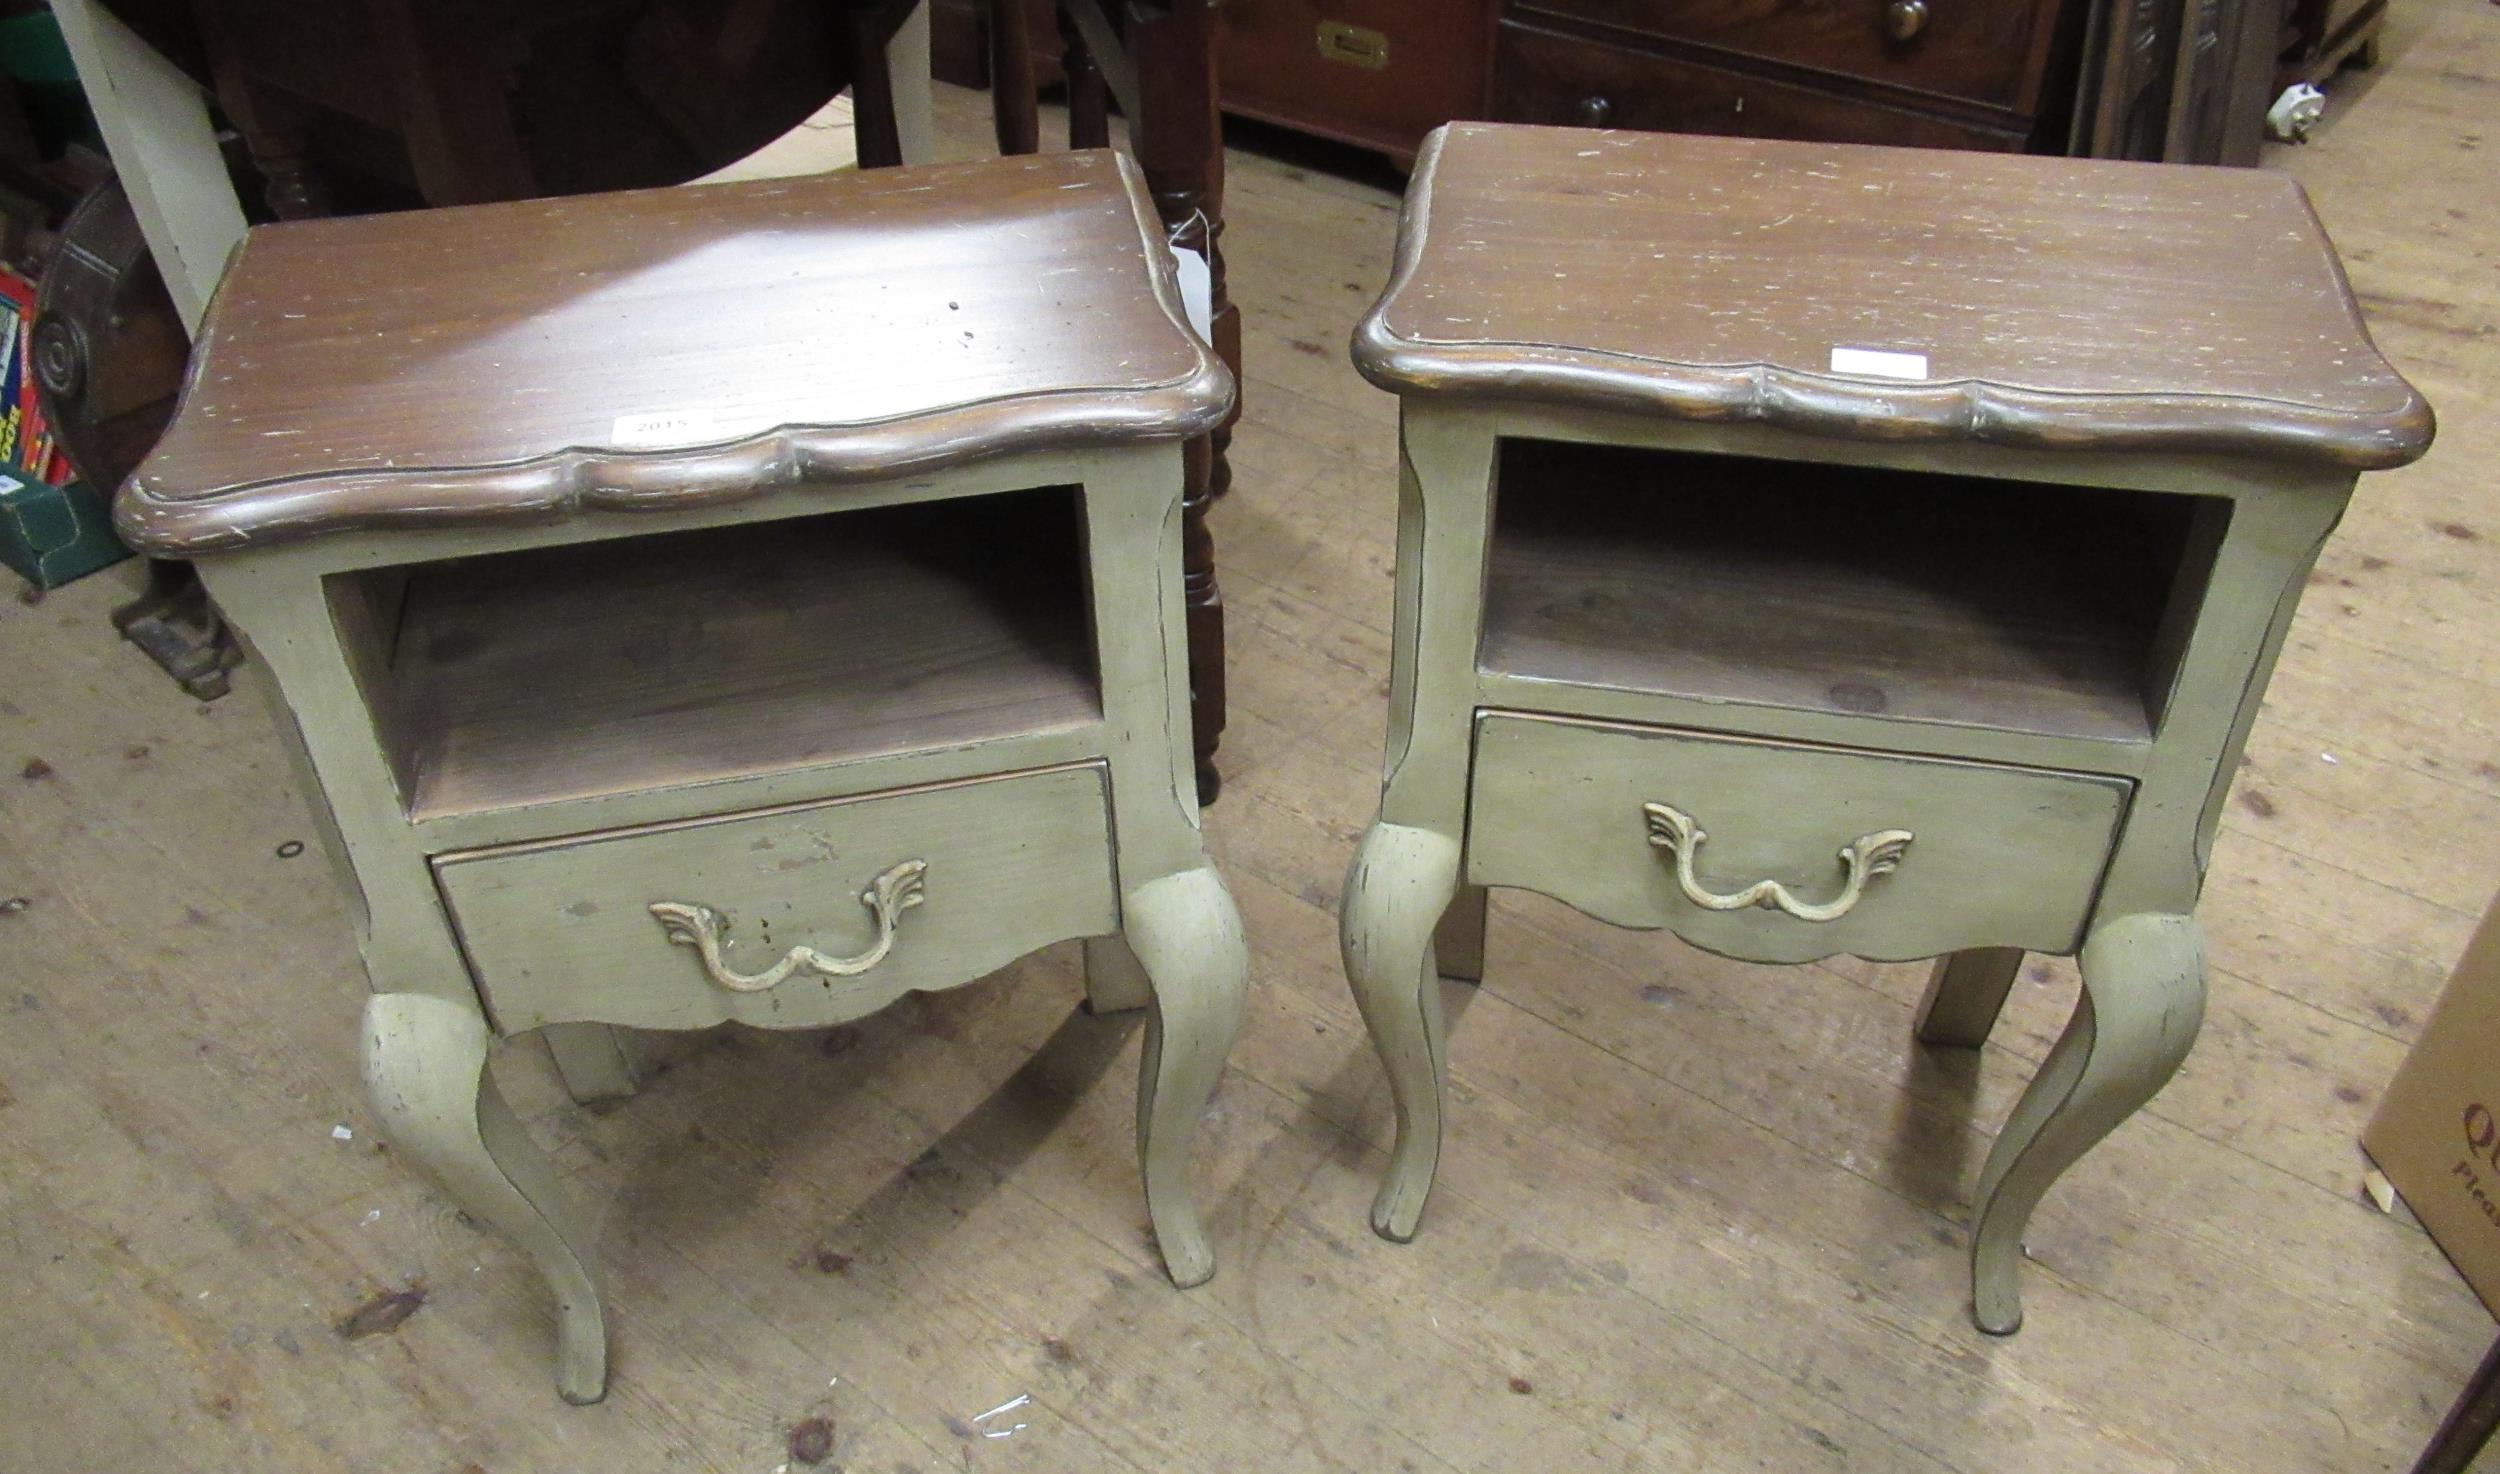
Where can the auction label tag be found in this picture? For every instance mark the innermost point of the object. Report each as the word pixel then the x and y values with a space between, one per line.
pixel 1878 363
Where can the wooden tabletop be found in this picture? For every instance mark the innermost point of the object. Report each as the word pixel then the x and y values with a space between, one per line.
pixel 671 347
pixel 1885 294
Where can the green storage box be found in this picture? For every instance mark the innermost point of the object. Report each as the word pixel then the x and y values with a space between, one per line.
pixel 52 534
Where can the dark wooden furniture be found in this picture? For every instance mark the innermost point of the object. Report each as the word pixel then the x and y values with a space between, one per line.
pixel 1813 550
pixel 1379 74
pixel 832 654
pixel 2470 1422
pixel 1157 59
pixel 2141 79
pixel 2322 37
pixel 2113 79
pixel 1975 74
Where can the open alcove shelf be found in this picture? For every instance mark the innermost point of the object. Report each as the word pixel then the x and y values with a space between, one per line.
pixel 687 657
pixel 2017 605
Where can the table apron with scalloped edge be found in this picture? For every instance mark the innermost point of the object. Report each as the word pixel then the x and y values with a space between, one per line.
pixel 1997 855
pixel 571 929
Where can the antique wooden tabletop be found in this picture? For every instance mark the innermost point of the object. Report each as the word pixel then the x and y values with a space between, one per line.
pixel 1886 294
pixel 522 361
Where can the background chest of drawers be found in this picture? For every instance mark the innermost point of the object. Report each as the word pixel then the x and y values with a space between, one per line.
pixel 2145 79
pixel 1939 73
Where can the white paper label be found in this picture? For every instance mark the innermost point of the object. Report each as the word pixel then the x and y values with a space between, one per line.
pixel 1877 363
pixel 1197 291
pixel 670 427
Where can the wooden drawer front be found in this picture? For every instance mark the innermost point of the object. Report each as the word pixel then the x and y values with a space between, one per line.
pixel 1976 50
pixel 1996 856
pixel 1541 77
pixel 1380 73
pixel 564 929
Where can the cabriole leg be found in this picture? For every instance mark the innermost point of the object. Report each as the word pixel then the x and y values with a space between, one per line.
pixel 598 1062
pixel 425 1068
pixel 1402 880
pixel 1458 942
pixel 1187 936
pixel 1965 993
pixel 1114 980
pixel 2143 998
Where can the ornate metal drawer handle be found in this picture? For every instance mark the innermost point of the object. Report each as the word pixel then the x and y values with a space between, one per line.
pixel 1866 857
pixel 701 927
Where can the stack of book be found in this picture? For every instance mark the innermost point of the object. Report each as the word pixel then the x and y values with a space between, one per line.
pixel 53 527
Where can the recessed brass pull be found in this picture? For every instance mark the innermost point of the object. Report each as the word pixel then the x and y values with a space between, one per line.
pixel 1863 858
pixel 1356 46
pixel 700 927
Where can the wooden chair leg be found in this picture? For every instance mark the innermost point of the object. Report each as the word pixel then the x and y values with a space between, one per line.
pixel 1179 142
pixel 1202 604
pixel 913 88
pixel 2469 1423
pixel 1089 101
pixel 872 85
pixel 1013 111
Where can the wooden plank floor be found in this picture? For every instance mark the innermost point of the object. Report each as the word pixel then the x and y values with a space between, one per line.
pixel 1695 1215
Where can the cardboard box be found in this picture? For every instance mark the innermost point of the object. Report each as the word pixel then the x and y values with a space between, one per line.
pixel 52 534
pixel 2437 1132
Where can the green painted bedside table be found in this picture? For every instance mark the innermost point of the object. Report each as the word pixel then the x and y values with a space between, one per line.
pixel 1813 550
pixel 748 602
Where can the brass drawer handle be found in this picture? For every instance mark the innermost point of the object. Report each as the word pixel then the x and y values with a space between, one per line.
pixel 1356 46
pixel 1865 857
pixel 1904 19
pixel 701 927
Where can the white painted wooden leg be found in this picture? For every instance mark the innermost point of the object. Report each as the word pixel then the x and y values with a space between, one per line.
pixel 1965 993
pixel 1402 881
pixel 2143 999
pixel 1186 934
pixel 425 1068
pixel 1114 980
pixel 598 1062
pixel 1458 942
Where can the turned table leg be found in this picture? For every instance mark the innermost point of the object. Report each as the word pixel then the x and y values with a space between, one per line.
pixel 425 1069
pixel 1013 113
pixel 1089 100
pixel 2143 998
pixel 875 122
pixel 1965 993
pixel 1179 141
pixel 1187 937
pixel 1401 883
